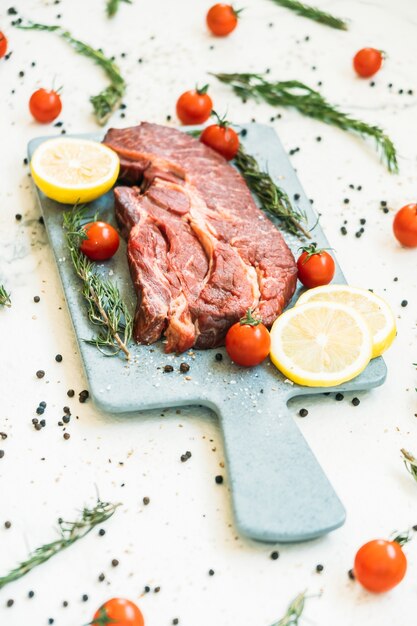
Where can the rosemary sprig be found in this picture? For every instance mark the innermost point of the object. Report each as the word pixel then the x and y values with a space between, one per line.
pixel 105 307
pixel 410 463
pixel 112 6
pixel 4 297
pixel 70 532
pixel 313 13
pixel 273 199
pixel 292 93
pixel 294 611
pixel 110 98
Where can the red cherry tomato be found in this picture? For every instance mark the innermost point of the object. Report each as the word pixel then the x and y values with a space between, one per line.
pixel 380 565
pixel 405 225
pixel 221 138
pixel 222 19
pixel 248 342
pixel 3 45
pixel 119 612
pixel 194 106
pixel 367 62
pixel 102 241
pixel 315 267
pixel 45 105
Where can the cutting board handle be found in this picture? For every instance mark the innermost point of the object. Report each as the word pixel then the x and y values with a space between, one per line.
pixel 280 493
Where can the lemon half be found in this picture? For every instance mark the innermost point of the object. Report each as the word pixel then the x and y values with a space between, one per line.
pixel 74 170
pixel 321 344
pixel 376 312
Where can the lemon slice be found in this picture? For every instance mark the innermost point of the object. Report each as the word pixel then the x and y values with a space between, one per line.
pixel 321 344
pixel 377 312
pixel 74 170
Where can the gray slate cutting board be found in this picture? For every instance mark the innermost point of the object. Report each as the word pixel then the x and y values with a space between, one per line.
pixel 279 490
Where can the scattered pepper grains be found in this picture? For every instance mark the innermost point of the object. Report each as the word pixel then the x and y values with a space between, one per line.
pixel 351 574
pixel 168 369
pixel 219 479
pixel 31 594
pixel 303 413
pixel 101 532
pixel 7 524
pixel 146 500
pixel 219 356
pixel 211 572
pixel 319 568
pixel 356 401
pixel 339 397
pixel 9 603
pixel 404 303
pixel 36 299
pixel 70 393
pixel 67 435
pixel 40 374
pixel 186 456
pixel 58 358
pixel 114 562
pixel 83 396
pixel 184 368
pixel 274 555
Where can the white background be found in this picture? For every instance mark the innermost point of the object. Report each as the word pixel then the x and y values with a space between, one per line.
pixel 188 527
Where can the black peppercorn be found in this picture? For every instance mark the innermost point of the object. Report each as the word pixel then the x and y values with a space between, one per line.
pixel 319 567
pixel 219 479
pixel 40 374
pixel 274 555
pixel 356 401
pixel 303 413
pixel 219 356
pixel 168 369
pixel 184 368
pixel 58 358
pixel 339 397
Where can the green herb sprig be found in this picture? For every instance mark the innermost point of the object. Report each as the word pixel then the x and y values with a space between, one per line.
pixel 313 13
pixel 112 6
pixel 105 307
pixel 273 199
pixel 4 297
pixel 294 611
pixel 70 532
pixel 292 93
pixel 410 463
pixel 108 100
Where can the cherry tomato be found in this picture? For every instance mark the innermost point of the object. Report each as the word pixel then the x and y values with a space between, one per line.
pixel 45 105
pixel 222 19
pixel 315 267
pixel 102 241
pixel 119 612
pixel 194 106
pixel 3 44
pixel 248 341
pixel 221 138
pixel 367 62
pixel 380 565
pixel 405 225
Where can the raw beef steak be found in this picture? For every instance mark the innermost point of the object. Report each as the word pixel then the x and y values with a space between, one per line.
pixel 200 251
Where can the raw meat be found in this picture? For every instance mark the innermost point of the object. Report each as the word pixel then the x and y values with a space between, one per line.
pixel 200 251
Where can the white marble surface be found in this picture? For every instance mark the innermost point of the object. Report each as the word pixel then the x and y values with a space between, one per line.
pixel 187 528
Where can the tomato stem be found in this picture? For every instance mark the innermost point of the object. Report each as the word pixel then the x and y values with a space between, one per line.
pixel 237 12
pixel 221 121
pixel 249 320
pixel 402 538
pixel 202 90
pixel 311 250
